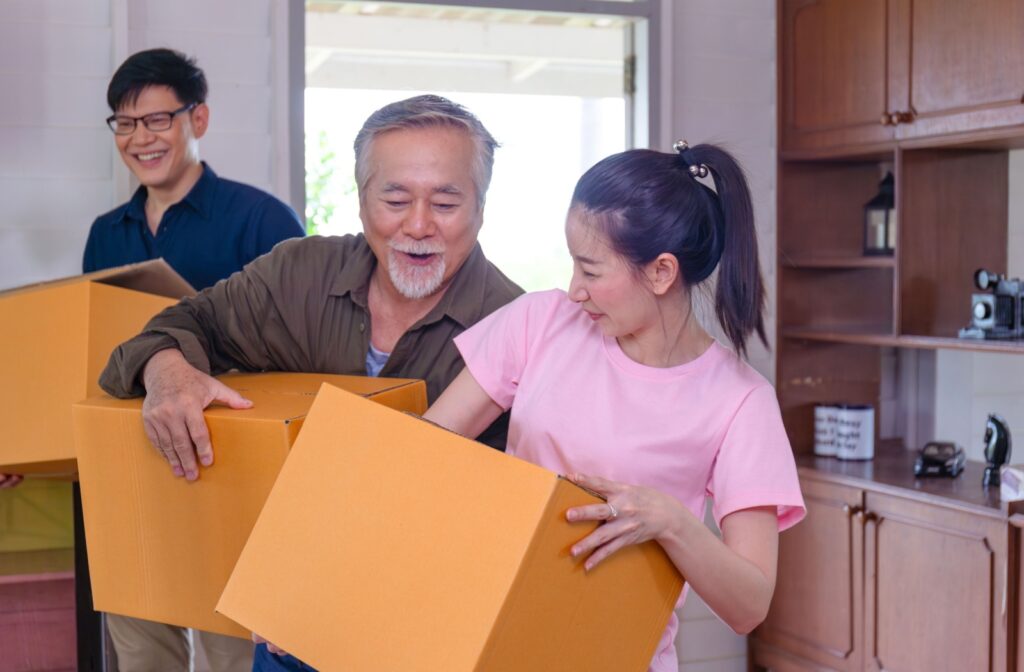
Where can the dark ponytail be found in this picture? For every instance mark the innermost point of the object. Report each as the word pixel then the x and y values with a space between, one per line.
pixel 650 202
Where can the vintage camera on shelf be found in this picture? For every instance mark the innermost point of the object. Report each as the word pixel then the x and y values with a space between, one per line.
pixel 999 314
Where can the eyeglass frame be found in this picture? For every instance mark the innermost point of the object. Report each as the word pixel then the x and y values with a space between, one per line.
pixel 112 119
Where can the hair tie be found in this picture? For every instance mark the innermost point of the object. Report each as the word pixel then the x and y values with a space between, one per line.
pixel 695 169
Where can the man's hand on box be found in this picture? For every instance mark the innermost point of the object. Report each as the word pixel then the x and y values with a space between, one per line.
pixel 176 395
pixel 10 480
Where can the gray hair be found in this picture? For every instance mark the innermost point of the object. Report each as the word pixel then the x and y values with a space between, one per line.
pixel 425 112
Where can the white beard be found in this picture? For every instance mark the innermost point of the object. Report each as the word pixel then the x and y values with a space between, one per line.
pixel 415 282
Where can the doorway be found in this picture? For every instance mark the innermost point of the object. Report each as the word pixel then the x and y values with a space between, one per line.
pixel 556 89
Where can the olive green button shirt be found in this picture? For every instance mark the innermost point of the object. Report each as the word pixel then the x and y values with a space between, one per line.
pixel 303 307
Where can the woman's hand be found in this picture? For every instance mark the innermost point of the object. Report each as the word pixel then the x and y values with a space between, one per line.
pixel 276 650
pixel 632 515
pixel 9 480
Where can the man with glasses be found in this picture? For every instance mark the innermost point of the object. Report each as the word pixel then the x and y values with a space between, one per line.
pixel 206 228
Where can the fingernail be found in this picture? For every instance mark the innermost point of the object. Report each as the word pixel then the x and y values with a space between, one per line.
pixel 179 472
pixel 587 566
pixel 206 460
pixel 575 551
pixel 193 475
pixel 570 515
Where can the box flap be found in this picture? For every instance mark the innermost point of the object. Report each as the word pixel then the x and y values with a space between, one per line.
pixel 267 406
pixel 309 383
pixel 147 530
pixel 153 277
pixel 384 529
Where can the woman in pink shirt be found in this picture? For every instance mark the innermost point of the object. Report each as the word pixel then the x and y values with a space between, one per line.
pixel 617 384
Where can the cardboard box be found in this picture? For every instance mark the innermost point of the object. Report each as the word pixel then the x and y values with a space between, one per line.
pixel 390 544
pixel 162 548
pixel 55 339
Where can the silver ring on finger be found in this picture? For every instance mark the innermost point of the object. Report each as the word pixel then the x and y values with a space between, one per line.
pixel 612 512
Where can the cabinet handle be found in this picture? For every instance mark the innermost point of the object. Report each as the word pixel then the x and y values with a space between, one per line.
pixel 852 511
pixel 871 517
pixel 886 117
pixel 904 117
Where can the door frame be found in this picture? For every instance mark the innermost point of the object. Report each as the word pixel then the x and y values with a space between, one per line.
pixel 644 108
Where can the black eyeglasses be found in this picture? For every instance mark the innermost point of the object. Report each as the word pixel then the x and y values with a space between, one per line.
pixel 122 124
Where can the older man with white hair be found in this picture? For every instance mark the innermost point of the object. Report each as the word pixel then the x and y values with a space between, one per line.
pixel 387 302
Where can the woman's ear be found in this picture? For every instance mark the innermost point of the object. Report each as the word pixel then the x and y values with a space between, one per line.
pixel 662 272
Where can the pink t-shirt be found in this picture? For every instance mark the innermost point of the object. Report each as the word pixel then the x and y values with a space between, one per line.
pixel 707 428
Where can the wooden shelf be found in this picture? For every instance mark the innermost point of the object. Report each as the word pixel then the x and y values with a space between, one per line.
pixel 838 263
pixel 905 341
pixel 892 471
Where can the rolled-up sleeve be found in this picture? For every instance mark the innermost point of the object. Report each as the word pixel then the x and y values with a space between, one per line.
pixel 239 323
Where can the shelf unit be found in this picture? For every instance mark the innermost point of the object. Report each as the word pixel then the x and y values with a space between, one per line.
pixel 888 571
pixel 837 307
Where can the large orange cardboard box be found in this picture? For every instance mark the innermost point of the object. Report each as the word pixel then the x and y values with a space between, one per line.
pixel 390 544
pixel 162 548
pixel 55 339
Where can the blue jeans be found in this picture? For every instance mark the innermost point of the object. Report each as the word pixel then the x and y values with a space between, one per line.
pixel 265 661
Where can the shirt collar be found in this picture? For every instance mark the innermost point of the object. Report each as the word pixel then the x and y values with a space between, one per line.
pixel 199 198
pixel 136 209
pixel 462 301
pixel 465 295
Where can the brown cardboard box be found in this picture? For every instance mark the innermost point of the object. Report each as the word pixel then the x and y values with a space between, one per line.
pixel 55 339
pixel 390 544
pixel 162 548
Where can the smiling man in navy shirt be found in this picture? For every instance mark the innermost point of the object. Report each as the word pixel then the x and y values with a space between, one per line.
pixel 206 228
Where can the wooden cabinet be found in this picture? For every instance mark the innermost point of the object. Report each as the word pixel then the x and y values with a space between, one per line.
pixel 1015 603
pixel 863 73
pixel 887 571
pixel 818 612
pixel 935 586
pixel 832 58
pixel 956 66
pixel 879 577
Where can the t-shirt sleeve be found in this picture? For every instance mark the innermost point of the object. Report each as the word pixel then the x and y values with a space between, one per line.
pixel 496 348
pixel 755 465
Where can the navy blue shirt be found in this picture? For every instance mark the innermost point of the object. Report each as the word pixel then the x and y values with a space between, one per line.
pixel 218 228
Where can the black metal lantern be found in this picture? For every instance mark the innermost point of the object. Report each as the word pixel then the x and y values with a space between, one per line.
pixel 880 220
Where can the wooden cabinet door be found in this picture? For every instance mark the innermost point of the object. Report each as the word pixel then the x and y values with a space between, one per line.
pixel 957 66
pixel 834 91
pixel 1016 603
pixel 935 581
pixel 817 612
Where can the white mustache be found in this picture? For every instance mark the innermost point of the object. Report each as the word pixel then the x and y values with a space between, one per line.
pixel 416 247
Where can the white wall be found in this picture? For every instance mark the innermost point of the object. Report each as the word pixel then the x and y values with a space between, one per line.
pixel 58 167
pixel 721 88
pixel 56 156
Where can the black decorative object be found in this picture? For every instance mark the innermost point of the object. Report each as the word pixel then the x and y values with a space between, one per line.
pixel 880 220
pixel 997 449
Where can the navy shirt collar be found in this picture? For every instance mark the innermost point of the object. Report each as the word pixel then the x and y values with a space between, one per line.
pixel 199 198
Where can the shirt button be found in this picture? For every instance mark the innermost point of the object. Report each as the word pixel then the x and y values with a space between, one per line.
pixel 362 327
